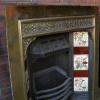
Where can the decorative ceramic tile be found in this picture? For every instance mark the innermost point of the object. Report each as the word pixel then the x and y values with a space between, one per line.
pixel 80 73
pixel 81 84
pixel 81 62
pixel 80 39
pixel 81 50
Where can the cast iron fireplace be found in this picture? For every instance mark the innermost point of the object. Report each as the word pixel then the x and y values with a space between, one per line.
pixel 55 53
pixel 58 63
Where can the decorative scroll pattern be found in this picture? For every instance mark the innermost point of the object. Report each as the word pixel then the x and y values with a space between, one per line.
pixel 80 84
pixel 26 43
pixel 47 25
pixel 80 39
pixel 81 62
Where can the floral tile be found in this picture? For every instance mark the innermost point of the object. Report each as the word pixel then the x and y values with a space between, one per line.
pixel 81 84
pixel 80 39
pixel 81 62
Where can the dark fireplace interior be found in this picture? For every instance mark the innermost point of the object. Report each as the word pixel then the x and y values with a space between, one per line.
pixel 49 60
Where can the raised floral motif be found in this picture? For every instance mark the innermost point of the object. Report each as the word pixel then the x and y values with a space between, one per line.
pixel 80 84
pixel 81 62
pixel 80 39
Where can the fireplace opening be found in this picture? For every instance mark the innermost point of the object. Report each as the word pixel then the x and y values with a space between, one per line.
pixel 50 73
pixel 54 71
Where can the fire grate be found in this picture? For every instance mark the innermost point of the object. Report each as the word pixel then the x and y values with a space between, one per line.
pixel 52 84
pixel 45 46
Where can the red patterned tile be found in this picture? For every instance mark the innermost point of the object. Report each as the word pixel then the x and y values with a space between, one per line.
pixel 81 50
pixel 82 73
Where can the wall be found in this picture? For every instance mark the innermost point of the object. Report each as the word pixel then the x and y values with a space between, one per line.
pixel 5 86
pixel 60 2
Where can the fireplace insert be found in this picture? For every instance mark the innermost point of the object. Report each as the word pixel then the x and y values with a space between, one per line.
pixel 51 60
pixel 53 52
pixel 48 61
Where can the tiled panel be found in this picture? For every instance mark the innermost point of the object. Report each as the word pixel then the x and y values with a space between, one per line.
pixel 80 39
pixel 81 62
pixel 80 84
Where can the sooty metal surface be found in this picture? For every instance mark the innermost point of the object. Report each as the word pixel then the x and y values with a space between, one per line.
pixel 81 96
pixel 52 84
pixel 47 46
pixel 49 74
